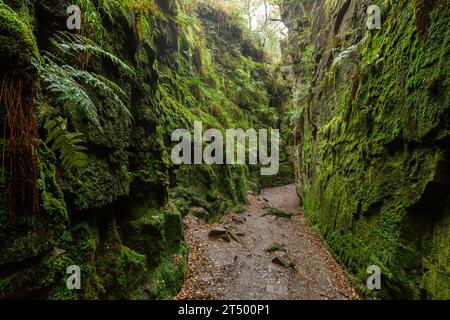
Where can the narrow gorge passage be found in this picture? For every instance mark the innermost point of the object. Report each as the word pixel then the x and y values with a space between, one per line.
pixel 230 270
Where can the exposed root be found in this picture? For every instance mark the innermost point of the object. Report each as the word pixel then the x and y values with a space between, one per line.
pixel 20 156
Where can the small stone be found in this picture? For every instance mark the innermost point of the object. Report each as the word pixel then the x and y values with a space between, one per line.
pixel 276 247
pixel 239 219
pixel 343 292
pixel 283 261
pixel 217 233
pixel 206 278
pixel 56 252
pixel 278 213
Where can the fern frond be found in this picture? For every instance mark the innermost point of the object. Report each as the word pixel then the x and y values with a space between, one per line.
pixel 66 143
pixel 67 86
pixel 72 44
pixel 102 85
pixel 65 90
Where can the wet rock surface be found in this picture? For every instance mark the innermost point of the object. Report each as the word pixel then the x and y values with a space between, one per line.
pixel 230 270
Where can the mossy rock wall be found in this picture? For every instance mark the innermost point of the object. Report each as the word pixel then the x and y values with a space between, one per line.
pixel 119 218
pixel 372 137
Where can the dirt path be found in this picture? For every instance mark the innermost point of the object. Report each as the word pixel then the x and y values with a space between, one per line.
pixel 230 270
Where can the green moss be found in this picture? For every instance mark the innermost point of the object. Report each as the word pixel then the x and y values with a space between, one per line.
pixel 119 217
pixel 166 280
pixel 97 176
pixel 209 191
pixel 367 174
pixel 121 270
pixel 51 195
pixel 17 40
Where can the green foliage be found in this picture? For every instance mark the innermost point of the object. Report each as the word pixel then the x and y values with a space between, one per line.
pixel 73 87
pixel 91 21
pixel 371 146
pixel 68 144
pixel 66 91
pixel 294 115
pixel 17 41
pixel 135 250
pixel 72 44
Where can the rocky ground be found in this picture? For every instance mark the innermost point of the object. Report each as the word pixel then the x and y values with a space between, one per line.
pixel 266 252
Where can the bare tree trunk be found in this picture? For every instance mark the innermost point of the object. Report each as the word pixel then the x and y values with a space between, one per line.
pixel 249 13
pixel 266 11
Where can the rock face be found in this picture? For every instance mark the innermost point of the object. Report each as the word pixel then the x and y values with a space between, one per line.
pixel 373 137
pixel 118 216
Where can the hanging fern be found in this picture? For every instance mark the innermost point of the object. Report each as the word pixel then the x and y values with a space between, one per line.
pixel 68 86
pixel 100 84
pixel 72 44
pixel 72 87
pixel 67 144
pixel 64 89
